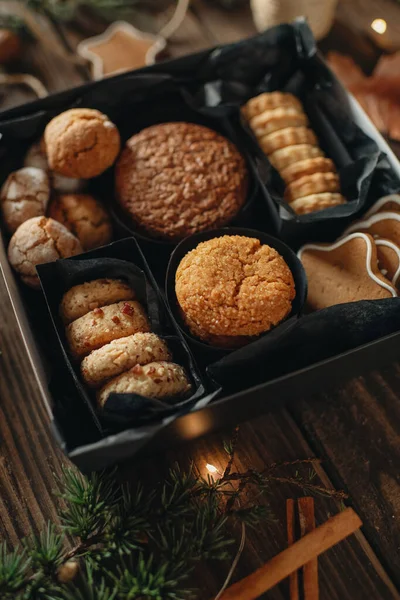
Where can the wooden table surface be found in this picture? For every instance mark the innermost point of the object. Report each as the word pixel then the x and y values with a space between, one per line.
pixel 355 429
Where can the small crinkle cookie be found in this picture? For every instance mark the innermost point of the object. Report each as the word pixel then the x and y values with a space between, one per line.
pixel 36 157
pixel 84 216
pixel 102 325
pixel 81 143
pixel 162 380
pixel 345 271
pixel 24 195
pixel 389 203
pixel 284 157
pixel 40 240
pixel 87 296
pixel 308 166
pixel 315 202
pixel 269 101
pixel 389 260
pixel 233 286
pixel 123 354
pixel 291 136
pixel 318 183
pixel 278 118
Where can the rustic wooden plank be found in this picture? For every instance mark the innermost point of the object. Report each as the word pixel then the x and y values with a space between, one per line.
pixel 358 430
pixel 348 571
pixel 29 458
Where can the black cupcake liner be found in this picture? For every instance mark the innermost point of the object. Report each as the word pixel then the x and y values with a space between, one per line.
pixel 206 353
pixel 121 260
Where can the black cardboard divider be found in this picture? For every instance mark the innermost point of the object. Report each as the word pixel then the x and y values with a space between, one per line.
pixel 362 167
pixel 203 352
pixel 312 338
pixel 123 260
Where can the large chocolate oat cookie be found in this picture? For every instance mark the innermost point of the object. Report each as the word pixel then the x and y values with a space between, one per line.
pixel 176 179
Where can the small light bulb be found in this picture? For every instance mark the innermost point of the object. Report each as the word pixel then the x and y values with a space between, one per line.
pixel 379 25
pixel 211 468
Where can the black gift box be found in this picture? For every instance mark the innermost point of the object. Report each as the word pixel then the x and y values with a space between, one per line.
pixel 304 353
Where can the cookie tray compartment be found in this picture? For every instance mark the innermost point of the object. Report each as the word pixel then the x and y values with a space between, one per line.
pixel 88 451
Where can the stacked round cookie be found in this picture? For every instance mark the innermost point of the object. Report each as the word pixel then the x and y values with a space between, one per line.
pixel 108 330
pixel 281 127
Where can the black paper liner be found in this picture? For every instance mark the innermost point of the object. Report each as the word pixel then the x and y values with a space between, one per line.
pixel 206 353
pixel 305 341
pixel 290 62
pixel 121 410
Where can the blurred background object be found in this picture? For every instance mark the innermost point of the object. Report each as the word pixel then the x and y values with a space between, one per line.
pixel 320 13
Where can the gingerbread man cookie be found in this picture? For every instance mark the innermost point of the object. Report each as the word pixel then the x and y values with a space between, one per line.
pixel 389 203
pixel 384 225
pixel 345 271
pixel 389 260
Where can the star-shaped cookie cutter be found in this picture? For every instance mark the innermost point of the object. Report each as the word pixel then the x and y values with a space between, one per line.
pixel 132 38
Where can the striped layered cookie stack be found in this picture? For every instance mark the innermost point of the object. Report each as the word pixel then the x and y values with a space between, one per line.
pixel 281 127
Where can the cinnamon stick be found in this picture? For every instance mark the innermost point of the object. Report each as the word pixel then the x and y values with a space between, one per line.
pixel 310 569
pixel 313 544
pixel 291 538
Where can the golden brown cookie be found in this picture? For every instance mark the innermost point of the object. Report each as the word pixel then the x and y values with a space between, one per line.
pixel 84 216
pixel 233 286
pixel 389 203
pixel 316 202
pixel 123 354
pixel 283 158
pixel 389 260
pixel 176 179
pixel 291 136
pixel 162 380
pixel 81 143
pixel 308 166
pixel 318 183
pixel 102 325
pixel 85 297
pixel 345 271
pixel 384 225
pixel 24 195
pixel 269 101
pixel 36 157
pixel 37 241
pixel 279 118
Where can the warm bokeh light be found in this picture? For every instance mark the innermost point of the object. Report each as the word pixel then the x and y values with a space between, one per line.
pixel 379 25
pixel 211 468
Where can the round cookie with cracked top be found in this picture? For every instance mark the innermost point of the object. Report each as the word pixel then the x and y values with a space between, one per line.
pixel 176 179
pixel 102 325
pixel 24 195
pixel 162 380
pixel 123 354
pixel 81 143
pixel 84 297
pixel 40 240
pixel 84 216
pixel 233 287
